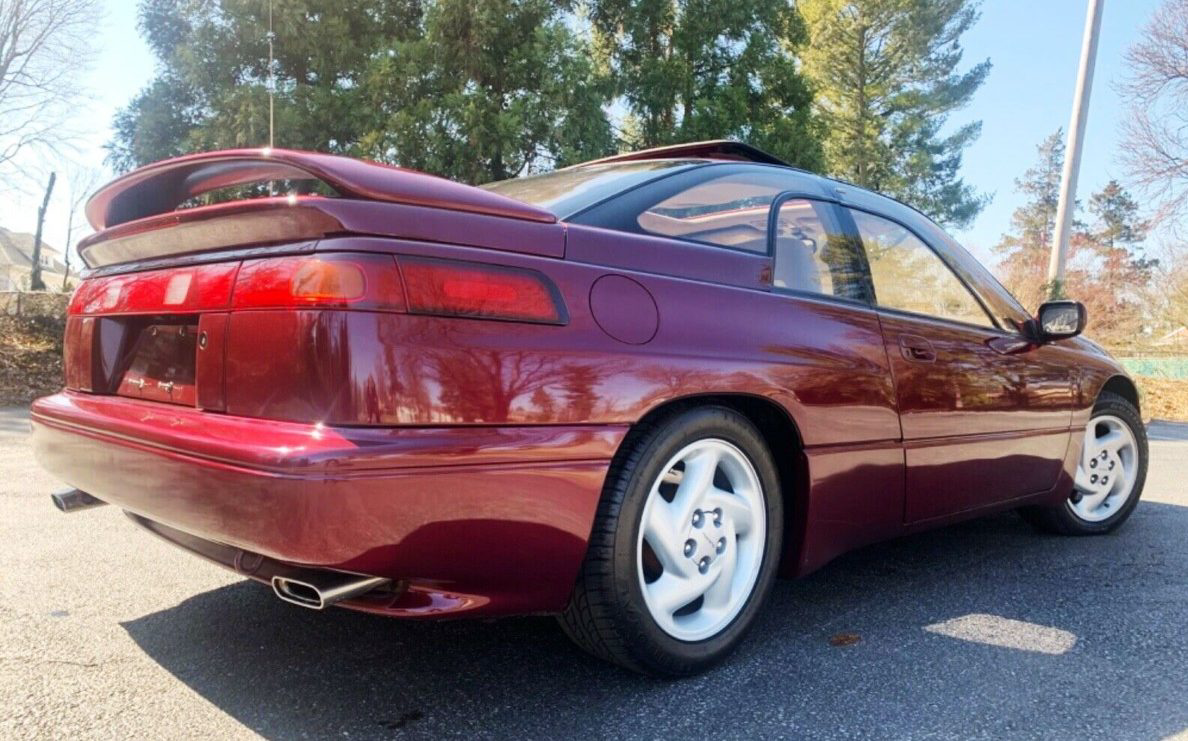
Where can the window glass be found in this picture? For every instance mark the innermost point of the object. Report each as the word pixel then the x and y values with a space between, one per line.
pixel 565 192
pixel 812 255
pixel 909 276
pixel 729 211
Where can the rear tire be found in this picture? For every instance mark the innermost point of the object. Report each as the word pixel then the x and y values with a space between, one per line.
pixel 684 548
pixel 1110 474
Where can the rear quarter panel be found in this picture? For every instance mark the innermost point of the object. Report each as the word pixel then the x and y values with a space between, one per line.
pixel 718 332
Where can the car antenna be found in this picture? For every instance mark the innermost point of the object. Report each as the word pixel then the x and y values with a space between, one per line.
pixel 271 78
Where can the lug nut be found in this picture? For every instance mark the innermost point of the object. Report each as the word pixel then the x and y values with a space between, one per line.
pixel 703 566
pixel 1105 480
pixel 1111 465
pixel 698 518
pixel 1104 455
pixel 721 544
pixel 690 546
pixel 1093 479
pixel 717 515
pixel 1093 463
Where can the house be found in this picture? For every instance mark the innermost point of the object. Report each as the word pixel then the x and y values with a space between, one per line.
pixel 16 262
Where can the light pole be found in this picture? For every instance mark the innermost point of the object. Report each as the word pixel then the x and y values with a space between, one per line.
pixel 1072 162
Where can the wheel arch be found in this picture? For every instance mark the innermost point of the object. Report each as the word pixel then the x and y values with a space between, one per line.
pixel 1122 386
pixel 780 432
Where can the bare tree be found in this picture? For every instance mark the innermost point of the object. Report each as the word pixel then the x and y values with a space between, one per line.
pixel 1156 127
pixel 35 281
pixel 43 45
pixel 82 181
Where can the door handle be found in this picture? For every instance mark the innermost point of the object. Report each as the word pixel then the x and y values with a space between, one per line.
pixel 917 349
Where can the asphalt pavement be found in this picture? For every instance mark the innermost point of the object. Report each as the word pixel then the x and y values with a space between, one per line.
pixel 982 630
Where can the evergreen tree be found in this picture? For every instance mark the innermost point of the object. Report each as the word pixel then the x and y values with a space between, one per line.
pixel 212 88
pixel 1105 267
pixel 1026 249
pixel 708 69
pixel 1034 222
pixel 490 90
pixel 1118 220
pixel 472 91
pixel 886 77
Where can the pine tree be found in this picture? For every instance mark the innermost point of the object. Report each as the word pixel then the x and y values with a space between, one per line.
pixel 707 69
pixel 1026 249
pixel 490 90
pixel 1106 268
pixel 470 90
pixel 886 77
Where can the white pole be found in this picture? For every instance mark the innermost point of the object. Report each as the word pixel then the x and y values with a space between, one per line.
pixel 1076 138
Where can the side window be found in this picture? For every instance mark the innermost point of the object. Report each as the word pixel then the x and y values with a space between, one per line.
pixel 729 211
pixel 909 276
pixel 812 254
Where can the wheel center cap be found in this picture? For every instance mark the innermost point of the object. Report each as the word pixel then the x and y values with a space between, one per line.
pixel 706 539
pixel 1104 471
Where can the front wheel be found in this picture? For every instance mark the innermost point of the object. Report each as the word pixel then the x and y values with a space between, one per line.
pixel 684 548
pixel 1110 473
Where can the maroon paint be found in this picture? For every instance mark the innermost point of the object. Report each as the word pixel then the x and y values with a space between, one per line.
pixel 466 457
pixel 163 186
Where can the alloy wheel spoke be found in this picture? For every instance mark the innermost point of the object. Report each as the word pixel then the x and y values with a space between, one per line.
pixel 696 481
pixel 1111 441
pixel 663 534
pixel 1081 482
pixel 671 592
pixel 735 509
pixel 1091 502
pixel 717 597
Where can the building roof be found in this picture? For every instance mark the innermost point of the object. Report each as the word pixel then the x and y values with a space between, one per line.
pixel 16 249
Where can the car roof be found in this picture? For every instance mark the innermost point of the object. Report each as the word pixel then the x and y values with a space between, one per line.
pixel 729 150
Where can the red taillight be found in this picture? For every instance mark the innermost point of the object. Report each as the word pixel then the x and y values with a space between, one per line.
pixel 464 289
pixel 170 291
pixel 345 281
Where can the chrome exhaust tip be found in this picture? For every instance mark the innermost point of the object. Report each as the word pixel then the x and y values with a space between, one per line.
pixel 74 500
pixel 317 590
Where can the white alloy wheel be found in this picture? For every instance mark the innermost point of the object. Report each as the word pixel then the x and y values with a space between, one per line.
pixel 701 541
pixel 1107 470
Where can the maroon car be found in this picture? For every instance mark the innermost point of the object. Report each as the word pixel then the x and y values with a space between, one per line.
pixel 629 392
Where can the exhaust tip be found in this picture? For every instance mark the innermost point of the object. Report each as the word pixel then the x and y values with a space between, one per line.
pixel 317 590
pixel 298 592
pixel 74 500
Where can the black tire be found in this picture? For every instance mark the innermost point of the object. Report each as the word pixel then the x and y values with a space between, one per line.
pixel 1061 519
pixel 607 615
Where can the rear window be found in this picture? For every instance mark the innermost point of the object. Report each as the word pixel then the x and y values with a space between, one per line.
pixel 729 211
pixel 566 192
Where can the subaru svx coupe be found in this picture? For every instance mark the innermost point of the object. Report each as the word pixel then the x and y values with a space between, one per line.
pixel 629 393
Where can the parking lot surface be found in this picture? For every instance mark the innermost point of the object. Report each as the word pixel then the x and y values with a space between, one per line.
pixel 982 630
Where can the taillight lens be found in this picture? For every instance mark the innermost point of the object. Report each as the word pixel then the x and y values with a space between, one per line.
pixel 172 291
pixel 476 290
pixel 344 281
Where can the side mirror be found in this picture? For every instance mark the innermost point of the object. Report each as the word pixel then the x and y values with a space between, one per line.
pixel 1060 320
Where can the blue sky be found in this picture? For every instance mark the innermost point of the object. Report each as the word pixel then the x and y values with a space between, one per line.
pixel 1034 46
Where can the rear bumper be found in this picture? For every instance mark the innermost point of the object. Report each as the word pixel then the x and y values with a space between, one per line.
pixel 489 520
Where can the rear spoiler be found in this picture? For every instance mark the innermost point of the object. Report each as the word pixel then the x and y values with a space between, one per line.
pixel 714 149
pixel 158 189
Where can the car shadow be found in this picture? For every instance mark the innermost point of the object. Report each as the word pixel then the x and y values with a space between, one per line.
pixel 843 652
